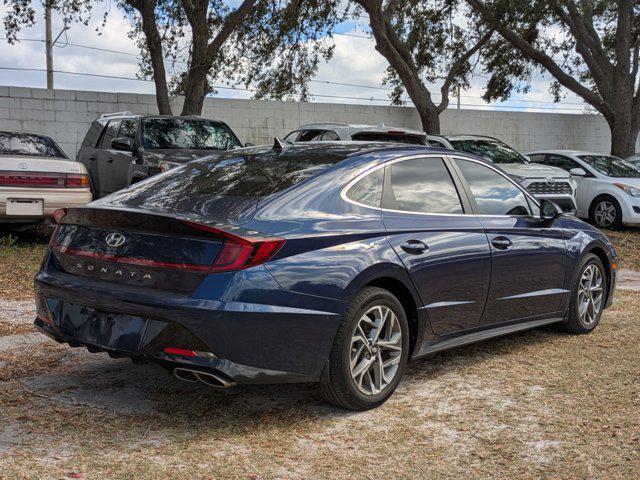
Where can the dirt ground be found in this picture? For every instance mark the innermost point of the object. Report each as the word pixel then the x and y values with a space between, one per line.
pixel 539 404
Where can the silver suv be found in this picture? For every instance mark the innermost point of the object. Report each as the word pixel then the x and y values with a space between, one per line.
pixel 327 132
pixel 540 180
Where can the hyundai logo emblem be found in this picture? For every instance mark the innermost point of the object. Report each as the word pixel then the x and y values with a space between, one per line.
pixel 114 239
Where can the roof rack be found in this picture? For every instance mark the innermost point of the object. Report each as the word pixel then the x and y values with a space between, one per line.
pixel 116 114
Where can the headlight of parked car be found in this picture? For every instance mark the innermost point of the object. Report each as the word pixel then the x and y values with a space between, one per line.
pixel 165 165
pixel 633 191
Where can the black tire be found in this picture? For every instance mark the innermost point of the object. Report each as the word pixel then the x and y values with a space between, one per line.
pixel 601 202
pixel 337 385
pixel 575 323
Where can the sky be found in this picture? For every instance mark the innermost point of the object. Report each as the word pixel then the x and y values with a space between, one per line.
pixel 355 61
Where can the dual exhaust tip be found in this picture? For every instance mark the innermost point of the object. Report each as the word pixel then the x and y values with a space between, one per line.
pixel 208 378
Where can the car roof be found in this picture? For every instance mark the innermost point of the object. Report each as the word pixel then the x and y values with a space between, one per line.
pixel 461 136
pixel 356 127
pixel 565 152
pixel 10 132
pixel 124 115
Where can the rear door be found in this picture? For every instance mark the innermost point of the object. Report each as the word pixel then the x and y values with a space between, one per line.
pixel 115 165
pixel 441 243
pixel 528 254
pixel 88 153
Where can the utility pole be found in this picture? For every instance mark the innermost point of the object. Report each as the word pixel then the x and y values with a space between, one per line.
pixel 49 45
pixel 458 97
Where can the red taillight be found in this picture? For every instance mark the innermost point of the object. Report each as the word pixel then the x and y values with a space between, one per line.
pixel 180 351
pixel 238 252
pixel 43 180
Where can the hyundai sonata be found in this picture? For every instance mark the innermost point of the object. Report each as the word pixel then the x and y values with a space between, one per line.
pixel 330 263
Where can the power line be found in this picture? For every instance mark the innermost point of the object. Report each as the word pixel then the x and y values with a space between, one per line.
pixel 226 87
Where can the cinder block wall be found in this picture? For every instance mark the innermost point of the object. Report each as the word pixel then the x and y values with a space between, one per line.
pixel 65 115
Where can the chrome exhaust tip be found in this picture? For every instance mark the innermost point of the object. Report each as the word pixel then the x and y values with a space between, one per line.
pixel 208 378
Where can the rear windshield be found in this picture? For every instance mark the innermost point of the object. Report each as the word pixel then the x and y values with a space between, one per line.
pixel 187 133
pixel 492 150
pixel 201 185
pixel 611 166
pixel 29 145
pixel 389 137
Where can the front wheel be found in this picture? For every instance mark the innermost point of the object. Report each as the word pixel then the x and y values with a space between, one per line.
pixel 588 295
pixel 369 354
pixel 606 213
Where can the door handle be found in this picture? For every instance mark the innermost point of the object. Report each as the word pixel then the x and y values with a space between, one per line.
pixel 501 243
pixel 110 160
pixel 414 247
pixel 92 157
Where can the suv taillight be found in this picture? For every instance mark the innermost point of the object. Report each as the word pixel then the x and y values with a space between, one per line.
pixel 237 252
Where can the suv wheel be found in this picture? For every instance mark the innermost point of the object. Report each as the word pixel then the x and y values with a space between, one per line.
pixel 588 295
pixel 369 353
pixel 606 213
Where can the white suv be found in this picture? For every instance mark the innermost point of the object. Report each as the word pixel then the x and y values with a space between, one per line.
pixel 608 187
pixel 541 181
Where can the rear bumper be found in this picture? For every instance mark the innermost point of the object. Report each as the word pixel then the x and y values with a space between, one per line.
pixel 264 335
pixel 52 199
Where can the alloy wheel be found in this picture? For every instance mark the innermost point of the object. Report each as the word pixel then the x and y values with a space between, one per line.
pixel 605 213
pixel 376 350
pixel 590 294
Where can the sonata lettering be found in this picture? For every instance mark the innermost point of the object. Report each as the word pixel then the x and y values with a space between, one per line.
pixel 115 272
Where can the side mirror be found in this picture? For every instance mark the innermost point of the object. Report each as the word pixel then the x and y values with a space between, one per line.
pixel 248 144
pixel 578 172
pixel 549 210
pixel 122 143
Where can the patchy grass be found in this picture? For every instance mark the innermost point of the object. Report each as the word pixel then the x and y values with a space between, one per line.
pixel 20 258
pixel 627 243
pixel 538 404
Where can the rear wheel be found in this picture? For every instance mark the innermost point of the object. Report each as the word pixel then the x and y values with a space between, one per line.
pixel 588 296
pixel 369 353
pixel 606 213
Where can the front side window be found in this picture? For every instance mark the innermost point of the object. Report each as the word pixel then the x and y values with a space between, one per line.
pixel 187 133
pixel 611 166
pixel 493 193
pixel 421 185
pixel 537 158
pixel 28 145
pixel 368 190
pixel 492 150
pixel 128 129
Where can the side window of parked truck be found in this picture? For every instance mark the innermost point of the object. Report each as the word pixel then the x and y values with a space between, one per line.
pixel 494 194
pixel 109 134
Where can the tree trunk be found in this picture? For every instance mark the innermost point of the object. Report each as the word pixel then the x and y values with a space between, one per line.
pixel 430 119
pixel 623 135
pixel 154 45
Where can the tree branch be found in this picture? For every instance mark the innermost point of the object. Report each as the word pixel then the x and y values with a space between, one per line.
pixel 457 67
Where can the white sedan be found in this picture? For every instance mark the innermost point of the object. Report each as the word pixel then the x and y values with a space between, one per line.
pixel 37 178
pixel 608 188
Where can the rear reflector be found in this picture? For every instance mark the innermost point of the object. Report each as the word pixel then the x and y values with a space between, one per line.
pixel 43 180
pixel 238 252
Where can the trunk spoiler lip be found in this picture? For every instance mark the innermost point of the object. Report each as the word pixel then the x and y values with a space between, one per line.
pixel 183 219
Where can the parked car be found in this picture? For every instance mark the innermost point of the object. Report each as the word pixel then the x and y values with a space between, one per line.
pixel 320 262
pixel 330 132
pixel 608 187
pixel 634 160
pixel 37 178
pixel 542 182
pixel 122 148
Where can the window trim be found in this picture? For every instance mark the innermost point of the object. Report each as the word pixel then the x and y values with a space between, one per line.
pixel 466 206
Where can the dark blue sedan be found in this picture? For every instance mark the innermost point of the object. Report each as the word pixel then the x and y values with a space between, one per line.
pixel 334 263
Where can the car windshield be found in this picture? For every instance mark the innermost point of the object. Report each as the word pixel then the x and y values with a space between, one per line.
pixel 29 145
pixel 186 133
pixel 492 150
pixel 611 166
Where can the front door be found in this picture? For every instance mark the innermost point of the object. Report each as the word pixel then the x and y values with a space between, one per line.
pixel 528 255
pixel 444 249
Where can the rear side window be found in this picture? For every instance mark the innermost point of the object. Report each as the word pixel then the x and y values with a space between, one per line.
pixel 109 134
pixel 93 134
pixel 330 136
pixel 421 185
pixel 493 193
pixel 29 145
pixel 368 190
pixel 310 135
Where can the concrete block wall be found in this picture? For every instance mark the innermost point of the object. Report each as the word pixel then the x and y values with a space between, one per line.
pixel 65 115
